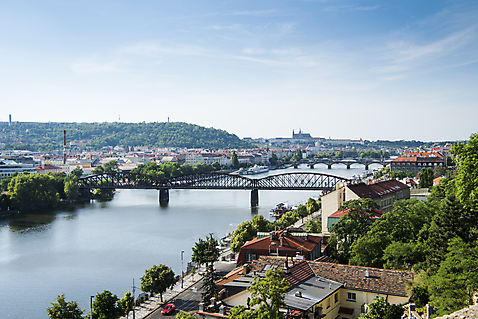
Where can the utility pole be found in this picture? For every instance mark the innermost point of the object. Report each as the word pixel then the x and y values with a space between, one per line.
pixel 91 306
pixel 134 301
pixel 182 273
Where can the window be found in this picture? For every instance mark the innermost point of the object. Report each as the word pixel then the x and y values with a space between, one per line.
pixel 336 297
pixel 351 296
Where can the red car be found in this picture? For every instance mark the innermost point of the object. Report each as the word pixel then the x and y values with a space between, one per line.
pixel 168 309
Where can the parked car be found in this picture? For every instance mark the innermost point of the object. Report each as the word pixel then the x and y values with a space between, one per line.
pixel 168 309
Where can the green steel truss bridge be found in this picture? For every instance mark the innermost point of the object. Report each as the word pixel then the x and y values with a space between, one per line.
pixel 213 180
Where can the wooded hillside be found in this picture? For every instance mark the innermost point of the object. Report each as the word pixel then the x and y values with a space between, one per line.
pixel 49 136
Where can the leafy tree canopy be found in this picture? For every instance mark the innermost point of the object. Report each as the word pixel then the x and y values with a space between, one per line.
pixel 157 279
pixel 63 309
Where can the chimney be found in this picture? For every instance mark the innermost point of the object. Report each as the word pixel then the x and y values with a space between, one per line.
pixel 64 147
pixel 9 119
pixel 367 274
pixel 201 306
pixel 222 310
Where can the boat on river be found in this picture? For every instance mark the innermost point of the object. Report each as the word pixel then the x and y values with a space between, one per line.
pixel 280 210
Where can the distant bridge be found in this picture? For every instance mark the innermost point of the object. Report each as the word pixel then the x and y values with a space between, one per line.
pixel 213 180
pixel 344 161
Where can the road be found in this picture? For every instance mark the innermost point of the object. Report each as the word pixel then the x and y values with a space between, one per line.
pixel 189 299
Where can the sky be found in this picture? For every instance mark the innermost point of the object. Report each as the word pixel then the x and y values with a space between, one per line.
pixel 398 69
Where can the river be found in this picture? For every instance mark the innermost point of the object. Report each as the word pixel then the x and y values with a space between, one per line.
pixel 101 246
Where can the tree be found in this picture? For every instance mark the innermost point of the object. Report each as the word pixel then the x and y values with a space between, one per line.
pixel 63 309
pixel 426 178
pixel 157 279
pixel 273 159
pixel 31 192
pixel 209 288
pixel 111 166
pixel 313 205
pixel 205 251
pixel 71 187
pixel 125 304
pixel 380 309
pixel 184 315
pixel 467 172
pixel 268 293
pixel 98 170
pixel 297 156
pixel 78 172
pixel 453 286
pixel 314 226
pixel 104 306
pixel 352 226
pixel 234 160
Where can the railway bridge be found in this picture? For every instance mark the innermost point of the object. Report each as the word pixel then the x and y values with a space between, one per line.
pixel 212 180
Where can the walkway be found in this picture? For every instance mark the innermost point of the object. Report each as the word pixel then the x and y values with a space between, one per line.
pixel 301 222
pixel 155 302
pixel 147 307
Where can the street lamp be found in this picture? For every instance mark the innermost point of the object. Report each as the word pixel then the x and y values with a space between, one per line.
pixel 182 273
pixel 91 306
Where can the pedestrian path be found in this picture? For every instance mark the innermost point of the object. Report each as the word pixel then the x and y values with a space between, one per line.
pixel 147 307
pixel 301 222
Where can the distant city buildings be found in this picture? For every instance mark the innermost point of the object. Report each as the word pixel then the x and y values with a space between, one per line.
pixel 414 162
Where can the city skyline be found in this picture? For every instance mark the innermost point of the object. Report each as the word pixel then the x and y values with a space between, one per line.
pixel 340 69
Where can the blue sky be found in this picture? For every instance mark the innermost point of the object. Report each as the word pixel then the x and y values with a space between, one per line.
pixel 341 69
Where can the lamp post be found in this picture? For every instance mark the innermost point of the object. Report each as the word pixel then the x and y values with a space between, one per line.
pixel 91 306
pixel 182 273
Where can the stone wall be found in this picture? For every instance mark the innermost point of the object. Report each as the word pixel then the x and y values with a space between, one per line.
pixel 466 313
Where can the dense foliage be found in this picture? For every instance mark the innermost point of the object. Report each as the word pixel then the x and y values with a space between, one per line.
pixel 49 136
pixel 437 238
pixel 267 297
pixel 62 309
pixel 247 230
pixel 157 279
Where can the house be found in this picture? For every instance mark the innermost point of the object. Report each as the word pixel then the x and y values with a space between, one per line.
pixel 282 243
pixel 384 193
pixel 326 290
pixel 47 168
pixel 414 162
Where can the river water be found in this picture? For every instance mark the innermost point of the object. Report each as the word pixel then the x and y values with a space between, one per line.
pixel 101 246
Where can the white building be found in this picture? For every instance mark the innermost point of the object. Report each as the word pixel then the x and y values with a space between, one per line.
pixel 9 167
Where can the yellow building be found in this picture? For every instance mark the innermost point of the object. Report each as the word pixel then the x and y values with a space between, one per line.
pixel 322 289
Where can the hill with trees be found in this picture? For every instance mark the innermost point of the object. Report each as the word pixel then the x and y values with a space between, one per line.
pixel 47 137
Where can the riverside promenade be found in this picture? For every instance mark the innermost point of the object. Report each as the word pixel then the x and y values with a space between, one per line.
pixel 148 307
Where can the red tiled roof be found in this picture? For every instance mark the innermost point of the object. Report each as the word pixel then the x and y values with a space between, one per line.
pixel 383 281
pixel 299 273
pixel 378 189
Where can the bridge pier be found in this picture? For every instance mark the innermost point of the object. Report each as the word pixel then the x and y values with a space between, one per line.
pixel 254 197
pixel 163 196
pixel 348 166
pixel 366 167
pixel 329 166
pixel 296 165
pixel 311 165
